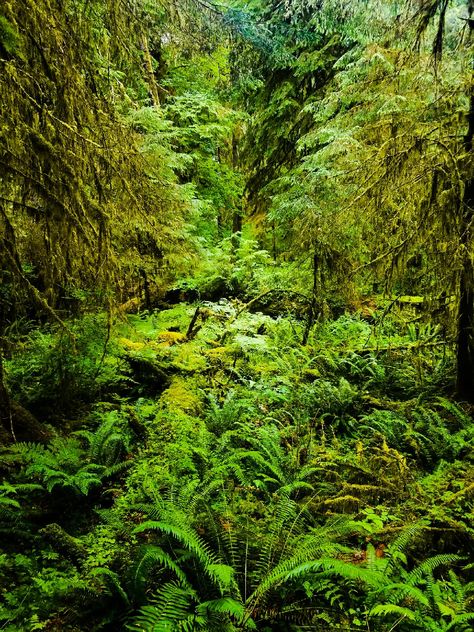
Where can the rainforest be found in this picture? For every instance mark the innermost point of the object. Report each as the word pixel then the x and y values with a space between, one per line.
pixel 236 315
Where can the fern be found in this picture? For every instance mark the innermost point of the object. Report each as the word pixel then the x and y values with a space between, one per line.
pixel 109 444
pixel 178 608
pixel 113 580
pixel 428 566
pixel 398 547
pixel 461 622
pixel 171 606
pixel 392 610
pixel 462 418
pixel 399 592
pixel 153 556
pixel 184 535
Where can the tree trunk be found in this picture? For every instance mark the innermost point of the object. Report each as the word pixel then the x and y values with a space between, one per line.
pixel 150 75
pixel 5 408
pixel 237 214
pixel 314 297
pixel 465 341
pixel 274 243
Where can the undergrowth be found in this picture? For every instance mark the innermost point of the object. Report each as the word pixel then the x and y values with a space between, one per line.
pixel 229 478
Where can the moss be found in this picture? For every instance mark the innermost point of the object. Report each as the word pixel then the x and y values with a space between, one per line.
pixel 181 396
pixel 176 318
pixel 190 359
pixel 76 207
pixel 130 345
pixel 311 374
pixel 219 352
pixel 9 38
pixel 414 300
pixel 172 337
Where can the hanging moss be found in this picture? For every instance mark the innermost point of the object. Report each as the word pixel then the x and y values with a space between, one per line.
pixel 10 43
pixel 78 201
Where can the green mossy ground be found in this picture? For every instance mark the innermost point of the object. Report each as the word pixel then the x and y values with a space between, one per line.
pixel 237 476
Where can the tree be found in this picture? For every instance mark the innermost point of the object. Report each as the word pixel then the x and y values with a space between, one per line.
pixel 77 198
pixel 297 202
pixel 465 210
pixel 458 181
pixel 373 168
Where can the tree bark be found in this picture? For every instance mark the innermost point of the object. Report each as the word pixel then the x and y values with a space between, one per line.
pixel 465 341
pixel 315 296
pixel 5 407
pixel 237 214
pixel 151 80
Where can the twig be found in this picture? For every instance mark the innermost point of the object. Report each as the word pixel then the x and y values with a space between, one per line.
pixel 191 332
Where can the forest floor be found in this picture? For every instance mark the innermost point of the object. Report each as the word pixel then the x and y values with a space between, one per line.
pixel 202 455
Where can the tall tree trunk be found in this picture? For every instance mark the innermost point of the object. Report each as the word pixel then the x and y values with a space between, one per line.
pixel 237 213
pixel 150 75
pixel 465 341
pixel 5 408
pixel 274 243
pixel 315 297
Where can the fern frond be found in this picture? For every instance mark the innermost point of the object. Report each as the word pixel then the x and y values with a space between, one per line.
pixel 113 470
pixel 114 580
pixel 28 451
pixel 295 568
pixel 155 555
pixel 400 544
pixel 427 567
pixel 286 511
pixel 222 575
pixel 339 568
pixel 388 609
pixel 401 591
pixel 462 418
pixel 9 502
pixel 170 606
pixel 459 621
pixel 225 605
pixel 185 536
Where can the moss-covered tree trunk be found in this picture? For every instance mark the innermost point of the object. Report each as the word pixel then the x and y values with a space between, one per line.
pixel 465 342
pixel 150 74
pixel 315 295
pixel 5 410
pixel 237 213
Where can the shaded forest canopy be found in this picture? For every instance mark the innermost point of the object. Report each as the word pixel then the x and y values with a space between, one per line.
pixel 236 315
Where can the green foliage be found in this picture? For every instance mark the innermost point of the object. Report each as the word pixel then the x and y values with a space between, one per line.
pixel 285 453
pixel 81 207
pixel 9 37
pixel 59 368
pixel 247 273
pixel 269 477
pixel 66 465
pixel 110 442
